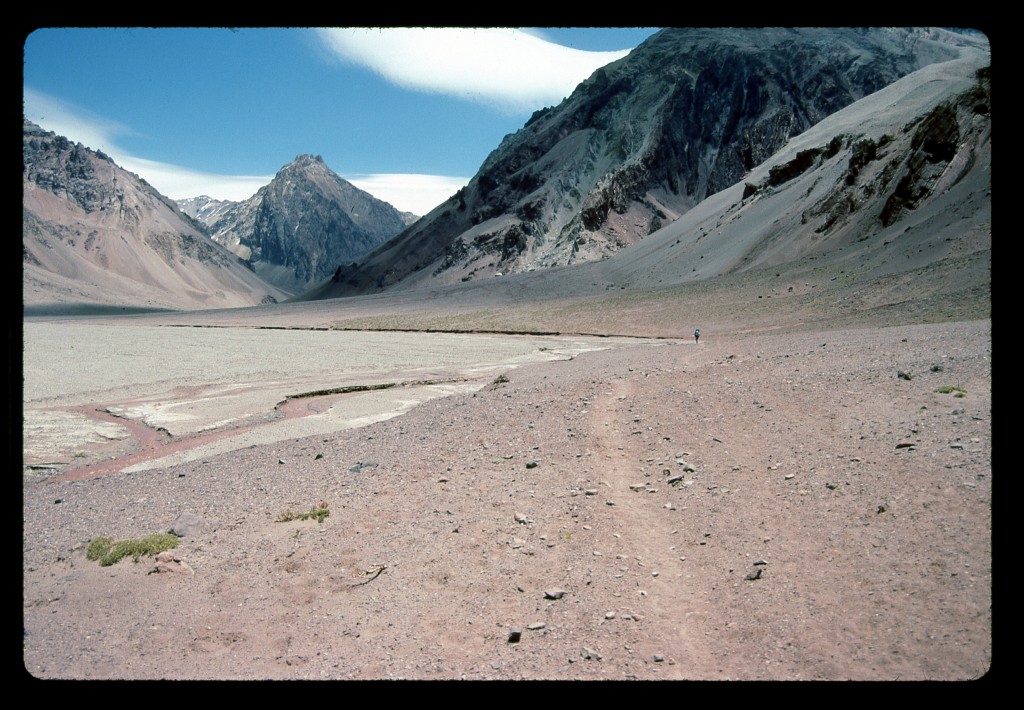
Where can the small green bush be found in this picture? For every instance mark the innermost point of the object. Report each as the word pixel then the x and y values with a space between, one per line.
pixel 951 389
pixel 319 512
pixel 108 551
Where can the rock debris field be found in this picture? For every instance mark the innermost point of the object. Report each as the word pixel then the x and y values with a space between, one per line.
pixel 810 505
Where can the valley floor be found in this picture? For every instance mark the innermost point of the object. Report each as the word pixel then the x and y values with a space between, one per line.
pixel 762 506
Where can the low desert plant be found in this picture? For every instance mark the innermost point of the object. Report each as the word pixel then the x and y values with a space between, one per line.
pixel 952 389
pixel 108 551
pixel 319 512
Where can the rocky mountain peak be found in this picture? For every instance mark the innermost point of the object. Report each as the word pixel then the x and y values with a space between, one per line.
pixel 296 230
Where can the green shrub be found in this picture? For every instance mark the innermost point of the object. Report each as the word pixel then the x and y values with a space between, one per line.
pixel 952 389
pixel 319 512
pixel 108 551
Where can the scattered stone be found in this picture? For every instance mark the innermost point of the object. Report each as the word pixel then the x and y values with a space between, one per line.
pixel 675 479
pixel 609 502
pixel 590 492
pixel 609 615
pixel 167 561
pixel 318 457
pixel 554 593
pixel 904 375
pixel 514 635
pixel 637 486
pixel 590 654
pixel 830 486
pixel 531 464
pixel 658 658
pixel 905 445
pixel 789 476
pixel 280 461
pixel 187 524
pixel 755 574
pixel 537 626
pixel 360 465
pixel 521 519
pixel 760 562
pixel 881 509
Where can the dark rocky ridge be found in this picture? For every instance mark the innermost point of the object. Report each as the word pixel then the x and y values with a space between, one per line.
pixel 296 230
pixel 642 141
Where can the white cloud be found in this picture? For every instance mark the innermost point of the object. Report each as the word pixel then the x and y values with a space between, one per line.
pixel 72 122
pixel 98 133
pixel 506 68
pixel 178 183
pixel 410 193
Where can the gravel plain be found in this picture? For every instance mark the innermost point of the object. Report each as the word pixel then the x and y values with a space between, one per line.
pixel 761 506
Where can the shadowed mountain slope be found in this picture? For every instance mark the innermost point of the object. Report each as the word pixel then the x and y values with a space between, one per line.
pixel 93 233
pixel 297 229
pixel 638 144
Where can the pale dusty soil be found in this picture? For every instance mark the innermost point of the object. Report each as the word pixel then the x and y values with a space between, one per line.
pixel 865 500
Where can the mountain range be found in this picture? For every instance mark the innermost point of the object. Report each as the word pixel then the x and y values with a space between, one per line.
pixel 95 234
pixel 843 160
pixel 685 115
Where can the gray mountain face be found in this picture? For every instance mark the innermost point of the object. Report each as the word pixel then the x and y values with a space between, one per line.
pixel 93 233
pixel 296 230
pixel 206 210
pixel 641 142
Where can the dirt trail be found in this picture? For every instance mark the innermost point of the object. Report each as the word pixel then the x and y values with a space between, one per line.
pixel 647 519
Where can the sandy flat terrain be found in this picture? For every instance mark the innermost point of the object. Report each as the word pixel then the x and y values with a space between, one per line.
pixel 93 392
pixel 773 505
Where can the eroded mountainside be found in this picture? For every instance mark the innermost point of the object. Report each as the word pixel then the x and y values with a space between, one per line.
pixel 685 115
pixel 93 233
pixel 297 229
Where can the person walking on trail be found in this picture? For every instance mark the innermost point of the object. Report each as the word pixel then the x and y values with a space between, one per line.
pixel 696 336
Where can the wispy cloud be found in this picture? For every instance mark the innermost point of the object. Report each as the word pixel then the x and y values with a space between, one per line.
pixel 178 183
pixel 73 122
pixel 98 133
pixel 508 69
pixel 410 193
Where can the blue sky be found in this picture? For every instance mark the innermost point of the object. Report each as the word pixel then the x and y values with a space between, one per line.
pixel 406 114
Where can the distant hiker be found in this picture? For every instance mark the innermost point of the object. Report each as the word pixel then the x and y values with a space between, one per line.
pixel 696 336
